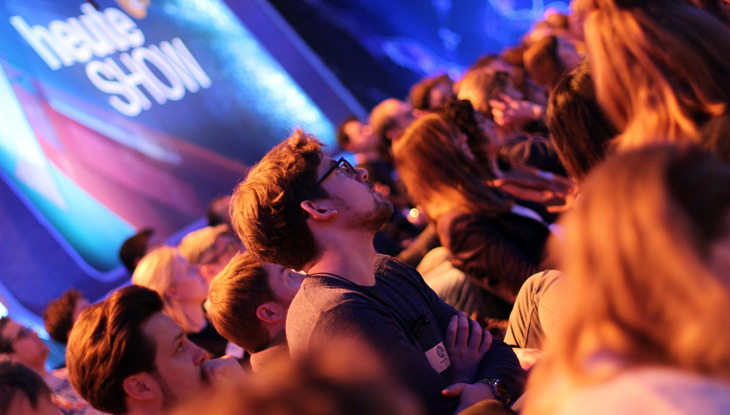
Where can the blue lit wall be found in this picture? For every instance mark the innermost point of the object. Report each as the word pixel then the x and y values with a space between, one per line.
pixel 98 138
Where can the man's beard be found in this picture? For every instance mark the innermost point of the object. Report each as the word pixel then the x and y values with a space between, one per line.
pixel 169 398
pixel 377 217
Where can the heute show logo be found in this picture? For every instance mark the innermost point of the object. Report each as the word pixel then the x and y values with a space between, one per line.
pixel 117 61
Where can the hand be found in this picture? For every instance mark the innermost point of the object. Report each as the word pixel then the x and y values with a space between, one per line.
pixel 468 394
pixel 509 111
pixel 466 343
pixel 223 370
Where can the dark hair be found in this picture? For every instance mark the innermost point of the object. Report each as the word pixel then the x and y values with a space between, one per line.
pixel 542 62
pixel 17 378
pixel 580 130
pixel 108 345
pixel 433 167
pixel 5 346
pixel 715 136
pixel 461 114
pixel 134 248
pixel 266 207
pixel 342 137
pixel 59 315
pixel 420 93
pixel 234 295
pixel 212 214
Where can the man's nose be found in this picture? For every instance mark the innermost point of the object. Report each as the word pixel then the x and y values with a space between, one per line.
pixel 362 174
pixel 199 354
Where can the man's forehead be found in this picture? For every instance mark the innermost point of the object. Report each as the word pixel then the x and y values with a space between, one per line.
pixel 161 327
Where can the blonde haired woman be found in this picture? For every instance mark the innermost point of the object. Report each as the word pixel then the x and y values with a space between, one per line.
pixel 660 67
pixel 646 259
pixel 183 290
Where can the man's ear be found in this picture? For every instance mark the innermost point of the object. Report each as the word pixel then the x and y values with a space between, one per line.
pixel 319 211
pixel 271 312
pixel 140 386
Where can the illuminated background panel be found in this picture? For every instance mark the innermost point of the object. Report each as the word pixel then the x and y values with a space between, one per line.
pixel 96 145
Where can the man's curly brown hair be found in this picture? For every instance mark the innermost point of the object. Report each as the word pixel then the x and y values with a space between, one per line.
pixel 266 207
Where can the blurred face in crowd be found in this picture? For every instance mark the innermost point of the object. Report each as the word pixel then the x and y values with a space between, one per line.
pixel 361 137
pixel 189 284
pixel 217 257
pixel 178 361
pixel 28 348
pixel 441 93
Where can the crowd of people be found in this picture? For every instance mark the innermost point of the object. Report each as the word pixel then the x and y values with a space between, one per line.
pixel 548 234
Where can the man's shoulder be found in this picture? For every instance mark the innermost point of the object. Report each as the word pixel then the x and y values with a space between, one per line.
pixel 319 294
pixel 387 266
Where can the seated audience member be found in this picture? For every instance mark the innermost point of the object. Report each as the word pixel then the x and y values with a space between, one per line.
pixel 248 302
pixel 505 118
pixel 304 210
pixel 183 290
pixel 218 211
pixel 548 59
pixel 136 246
pixel 211 248
pixel 431 93
pixel 61 313
pixel 540 189
pixel 389 119
pixel 658 76
pixel 343 378
pixel 646 284
pixel 581 134
pixel 578 127
pixel 126 356
pixel 494 241
pixel 24 346
pixel 23 392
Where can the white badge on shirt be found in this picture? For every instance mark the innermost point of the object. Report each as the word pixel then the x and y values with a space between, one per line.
pixel 438 357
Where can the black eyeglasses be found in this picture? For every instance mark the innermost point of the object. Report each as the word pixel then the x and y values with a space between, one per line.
pixel 341 165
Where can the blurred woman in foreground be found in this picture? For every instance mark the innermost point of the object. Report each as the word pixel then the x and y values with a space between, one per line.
pixel 646 258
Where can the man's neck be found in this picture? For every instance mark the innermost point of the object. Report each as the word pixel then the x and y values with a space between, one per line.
pixel 351 259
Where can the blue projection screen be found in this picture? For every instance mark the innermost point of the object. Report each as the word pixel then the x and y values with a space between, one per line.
pixel 136 114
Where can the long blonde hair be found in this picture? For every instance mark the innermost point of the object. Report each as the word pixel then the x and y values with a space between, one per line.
pixel 660 67
pixel 639 288
pixel 156 272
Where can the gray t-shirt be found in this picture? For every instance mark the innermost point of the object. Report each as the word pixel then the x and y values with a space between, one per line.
pixel 402 319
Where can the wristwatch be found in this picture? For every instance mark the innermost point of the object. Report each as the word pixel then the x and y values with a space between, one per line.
pixel 500 389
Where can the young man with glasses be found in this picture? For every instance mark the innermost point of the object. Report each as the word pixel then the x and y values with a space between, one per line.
pixel 305 211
